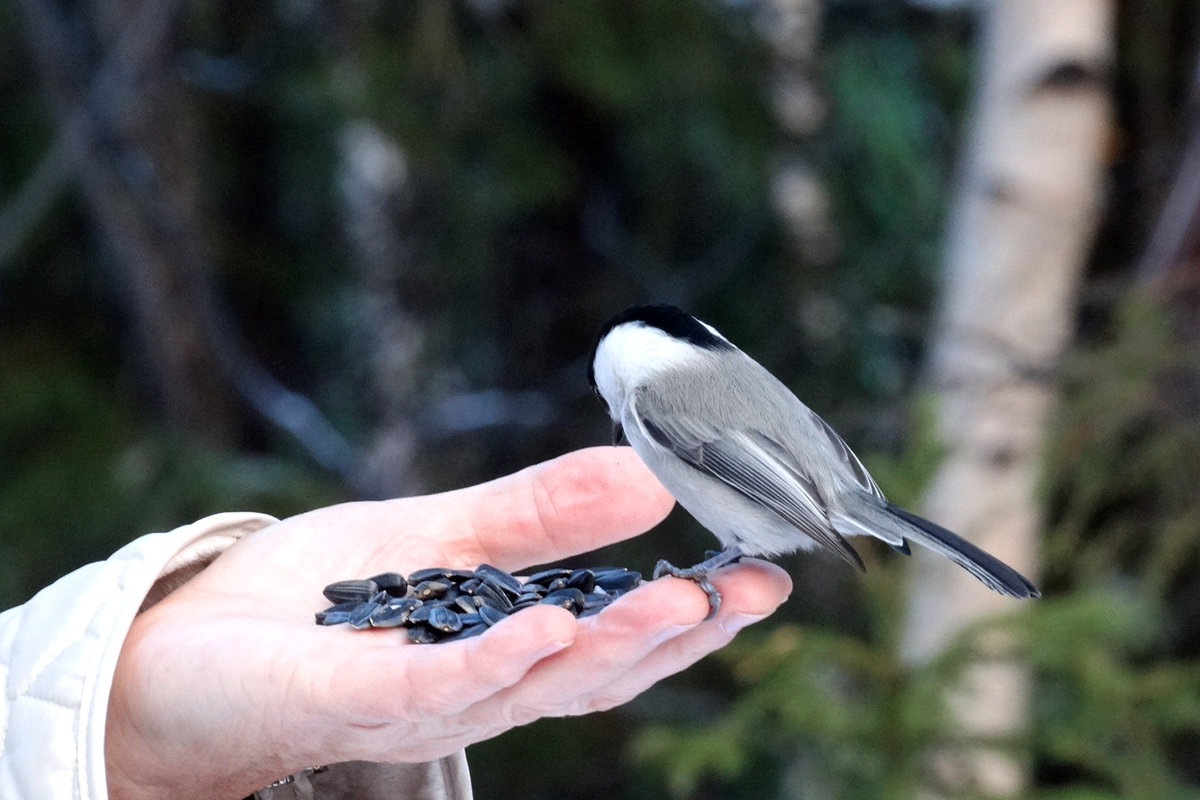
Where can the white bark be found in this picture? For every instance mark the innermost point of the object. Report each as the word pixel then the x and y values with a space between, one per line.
pixel 374 190
pixel 792 28
pixel 1022 223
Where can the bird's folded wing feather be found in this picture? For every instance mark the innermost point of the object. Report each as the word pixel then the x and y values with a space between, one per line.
pixel 745 461
pixel 851 461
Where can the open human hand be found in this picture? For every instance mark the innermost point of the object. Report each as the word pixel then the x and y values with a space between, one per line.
pixel 226 684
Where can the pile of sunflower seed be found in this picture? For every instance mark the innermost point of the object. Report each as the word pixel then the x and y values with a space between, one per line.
pixel 441 605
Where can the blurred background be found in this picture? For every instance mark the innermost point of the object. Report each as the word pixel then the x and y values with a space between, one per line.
pixel 272 256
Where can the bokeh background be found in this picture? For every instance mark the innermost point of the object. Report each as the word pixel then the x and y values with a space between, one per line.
pixel 270 256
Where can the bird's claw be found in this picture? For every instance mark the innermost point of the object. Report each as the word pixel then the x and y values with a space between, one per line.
pixel 697 575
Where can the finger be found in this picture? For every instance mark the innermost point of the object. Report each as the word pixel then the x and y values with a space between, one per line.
pixel 650 633
pixel 392 681
pixel 752 590
pixel 607 646
pixel 572 504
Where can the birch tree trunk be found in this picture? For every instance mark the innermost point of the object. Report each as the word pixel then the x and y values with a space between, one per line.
pixel 1022 223
pixel 374 190
pixel 792 30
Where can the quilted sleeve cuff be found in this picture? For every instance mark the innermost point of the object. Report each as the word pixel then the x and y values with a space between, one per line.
pixel 59 650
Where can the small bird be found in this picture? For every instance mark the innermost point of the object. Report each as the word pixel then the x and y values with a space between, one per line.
pixel 745 457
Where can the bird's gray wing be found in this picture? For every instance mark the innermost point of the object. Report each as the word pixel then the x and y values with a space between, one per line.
pixel 746 461
pixel 851 462
pixel 841 518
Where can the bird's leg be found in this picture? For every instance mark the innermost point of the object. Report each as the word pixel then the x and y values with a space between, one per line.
pixel 700 572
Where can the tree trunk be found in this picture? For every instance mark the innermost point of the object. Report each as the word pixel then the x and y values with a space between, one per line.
pixel 375 194
pixel 792 30
pixel 1021 225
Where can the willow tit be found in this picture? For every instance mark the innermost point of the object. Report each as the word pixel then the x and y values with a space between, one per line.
pixel 751 463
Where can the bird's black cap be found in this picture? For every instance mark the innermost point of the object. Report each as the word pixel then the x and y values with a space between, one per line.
pixel 667 318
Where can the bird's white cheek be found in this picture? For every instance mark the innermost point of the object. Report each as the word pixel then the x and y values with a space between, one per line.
pixel 631 355
pixel 609 383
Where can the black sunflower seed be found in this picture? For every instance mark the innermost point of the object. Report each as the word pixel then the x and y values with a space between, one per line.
pixel 361 617
pixel 525 601
pixel 582 579
pixel 547 575
pixel 347 591
pixel 615 579
pixel 465 603
pixel 395 612
pixel 333 617
pixel 432 588
pixel 391 582
pixel 389 617
pixel 570 599
pixel 421 613
pixel 490 616
pixel 421 635
pixel 498 578
pixel 467 632
pixel 334 610
pixel 594 603
pixel 444 620
pixel 440 574
pixel 430 574
pixel 491 596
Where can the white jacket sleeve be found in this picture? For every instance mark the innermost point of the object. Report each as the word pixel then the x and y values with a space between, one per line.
pixel 58 653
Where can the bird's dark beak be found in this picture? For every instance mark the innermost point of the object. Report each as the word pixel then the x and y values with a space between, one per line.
pixel 618 433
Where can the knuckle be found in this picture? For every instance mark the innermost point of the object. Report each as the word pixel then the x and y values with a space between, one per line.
pixel 686 650
pixel 546 511
pixel 602 701
pixel 517 714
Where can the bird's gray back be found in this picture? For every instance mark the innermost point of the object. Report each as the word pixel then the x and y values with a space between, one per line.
pixel 738 394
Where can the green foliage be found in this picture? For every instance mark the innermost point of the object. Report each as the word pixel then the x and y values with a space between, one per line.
pixel 851 716
pixel 1125 520
pixel 1105 712
pixel 580 153
pixel 896 89
pixel 903 476
pixel 1125 456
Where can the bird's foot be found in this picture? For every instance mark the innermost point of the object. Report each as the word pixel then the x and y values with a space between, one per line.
pixel 699 573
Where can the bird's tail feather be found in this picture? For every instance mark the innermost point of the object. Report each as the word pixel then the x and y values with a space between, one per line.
pixel 992 571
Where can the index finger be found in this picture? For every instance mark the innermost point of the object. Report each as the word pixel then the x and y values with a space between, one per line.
pixel 568 505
